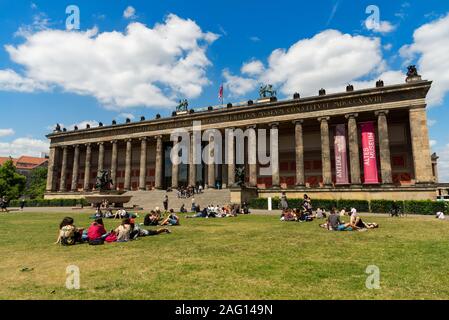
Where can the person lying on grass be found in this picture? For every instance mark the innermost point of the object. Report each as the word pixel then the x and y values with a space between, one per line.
pixel 69 234
pixel 357 223
pixel 171 220
pixel 137 231
pixel 200 214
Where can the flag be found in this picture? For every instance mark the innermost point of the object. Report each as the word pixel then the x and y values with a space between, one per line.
pixel 220 94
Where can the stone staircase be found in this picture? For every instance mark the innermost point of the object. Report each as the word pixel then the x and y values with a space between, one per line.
pixel 150 199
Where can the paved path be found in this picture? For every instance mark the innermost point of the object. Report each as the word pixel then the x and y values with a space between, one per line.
pixel 253 211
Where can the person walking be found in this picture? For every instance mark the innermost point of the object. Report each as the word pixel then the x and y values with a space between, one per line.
pixel 165 203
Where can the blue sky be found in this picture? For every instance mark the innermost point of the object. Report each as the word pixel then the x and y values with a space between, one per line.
pixel 175 49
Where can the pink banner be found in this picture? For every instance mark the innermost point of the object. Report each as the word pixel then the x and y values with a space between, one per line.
pixel 369 153
pixel 341 158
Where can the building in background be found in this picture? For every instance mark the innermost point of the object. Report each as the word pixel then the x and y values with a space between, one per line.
pixel 359 144
pixel 26 164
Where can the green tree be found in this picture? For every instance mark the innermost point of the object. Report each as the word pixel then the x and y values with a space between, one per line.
pixel 37 183
pixel 12 184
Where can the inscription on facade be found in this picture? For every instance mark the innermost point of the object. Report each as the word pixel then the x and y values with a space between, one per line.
pixel 240 114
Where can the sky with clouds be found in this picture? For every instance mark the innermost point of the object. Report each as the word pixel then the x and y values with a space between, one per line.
pixel 133 58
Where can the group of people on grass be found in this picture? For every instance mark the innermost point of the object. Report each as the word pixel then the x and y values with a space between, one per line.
pixel 128 229
pixel 215 211
pixel 333 221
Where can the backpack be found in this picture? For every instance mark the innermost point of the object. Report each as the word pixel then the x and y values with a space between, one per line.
pixel 112 237
pixel 96 242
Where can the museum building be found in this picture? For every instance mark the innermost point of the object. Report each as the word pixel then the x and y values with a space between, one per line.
pixel 358 144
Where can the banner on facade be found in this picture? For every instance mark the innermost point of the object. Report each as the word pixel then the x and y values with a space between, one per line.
pixel 369 153
pixel 341 158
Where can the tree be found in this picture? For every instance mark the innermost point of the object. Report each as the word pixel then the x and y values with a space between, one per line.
pixel 37 183
pixel 12 184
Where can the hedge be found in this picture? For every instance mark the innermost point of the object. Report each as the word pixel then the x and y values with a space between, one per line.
pixel 50 203
pixel 426 207
pixel 384 206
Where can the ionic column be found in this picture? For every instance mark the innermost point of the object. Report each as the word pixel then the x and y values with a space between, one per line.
pixel 127 185
pixel 114 163
pixel 354 155
pixel 62 182
pixel 252 155
pixel 325 151
pixel 211 165
pixel 420 145
pixel 75 170
pixel 274 154
pixel 384 146
pixel 87 167
pixel 143 163
pixel 299 151
pixel 100 156
pixel 192 165
pixel 51 170
pixel 159 159
pixel 231 157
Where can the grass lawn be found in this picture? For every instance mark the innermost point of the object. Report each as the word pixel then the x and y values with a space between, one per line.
pixel 249 257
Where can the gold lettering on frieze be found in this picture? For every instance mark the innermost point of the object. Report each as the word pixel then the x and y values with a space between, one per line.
pixel 232 117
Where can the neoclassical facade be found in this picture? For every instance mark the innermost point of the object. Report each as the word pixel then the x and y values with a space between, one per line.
pixel 359 144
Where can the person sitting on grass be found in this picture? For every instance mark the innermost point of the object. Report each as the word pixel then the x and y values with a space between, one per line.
pixel 183 209
pixel 303 216
pixel 171 220
pixel 320 213
pixel 288 215
pixel 307 205
pixel 151 219
pixel 440 215
pixel 334 223
pixel 69 234
pixel 123 231
pixel 96 232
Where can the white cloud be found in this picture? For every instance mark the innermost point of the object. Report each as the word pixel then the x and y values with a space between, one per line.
pixel 254 39
pixel 432 143
pixel 129 13
pixel 252 68
pixel 140 67
pixel 382 27
pixel 431 46
pixel 387 46
pixel 328 60
pixel 40 22
pixel 431 122
pixel 6 132
pixel 83 124
pixel 238 86
pixel 12 81
pixel 23 146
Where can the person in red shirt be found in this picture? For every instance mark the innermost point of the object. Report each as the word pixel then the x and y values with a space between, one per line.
pixel 96 230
